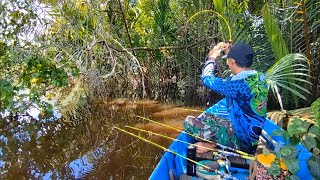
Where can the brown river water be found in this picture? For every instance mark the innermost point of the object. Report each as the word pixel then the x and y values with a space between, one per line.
pixel 85 145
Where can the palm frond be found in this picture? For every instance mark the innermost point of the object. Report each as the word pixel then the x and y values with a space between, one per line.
pixel 304 27
pixel 302 32
pixel 241 31
pixel 289 73
pixel 219 5
pixel 274 34
pixel 264 56
pixel 161 16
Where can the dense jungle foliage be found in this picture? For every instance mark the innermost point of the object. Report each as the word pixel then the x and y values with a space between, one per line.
pixel 57 52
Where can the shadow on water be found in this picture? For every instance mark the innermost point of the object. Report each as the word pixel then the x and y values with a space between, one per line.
pixel 84 145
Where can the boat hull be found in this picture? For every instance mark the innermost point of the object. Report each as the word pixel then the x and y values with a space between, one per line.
pixel 177 164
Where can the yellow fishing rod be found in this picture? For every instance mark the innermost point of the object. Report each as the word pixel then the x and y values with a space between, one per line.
pixel 179 130
pixel 219 15
pixel 185 109
pixel 173 152
pixel 211 149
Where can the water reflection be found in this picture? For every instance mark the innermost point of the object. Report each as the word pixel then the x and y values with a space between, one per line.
pixel 85 145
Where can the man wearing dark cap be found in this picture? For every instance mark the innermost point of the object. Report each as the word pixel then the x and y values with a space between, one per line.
pixel 237 120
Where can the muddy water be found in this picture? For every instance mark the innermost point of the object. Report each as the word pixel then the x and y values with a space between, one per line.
pixel 85 145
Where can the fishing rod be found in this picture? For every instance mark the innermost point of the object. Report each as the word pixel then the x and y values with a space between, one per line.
pixel 211 149
pixel 224 175
pixel 179 130
pixel 222 146
pixel 219 15
pixel 185 109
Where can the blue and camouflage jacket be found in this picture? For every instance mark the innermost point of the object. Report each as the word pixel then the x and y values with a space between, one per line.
pixel 245 102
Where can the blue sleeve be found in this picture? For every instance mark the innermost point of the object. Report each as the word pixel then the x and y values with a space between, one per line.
pixel 222 86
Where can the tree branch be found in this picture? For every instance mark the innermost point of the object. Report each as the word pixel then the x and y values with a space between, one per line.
pixel 155 49
pixel 126 26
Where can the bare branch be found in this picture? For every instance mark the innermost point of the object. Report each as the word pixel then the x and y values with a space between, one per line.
pixel 137 61
pixel 114 66
pixel 155 49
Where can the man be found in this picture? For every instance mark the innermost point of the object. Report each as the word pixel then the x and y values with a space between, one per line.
pixel 237 120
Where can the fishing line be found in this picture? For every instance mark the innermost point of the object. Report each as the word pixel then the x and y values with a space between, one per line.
pixel 212 149
pixel 173 152
pixel 194 110
pixel 179 130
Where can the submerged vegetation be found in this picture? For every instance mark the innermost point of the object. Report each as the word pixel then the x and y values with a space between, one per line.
pixel 65 54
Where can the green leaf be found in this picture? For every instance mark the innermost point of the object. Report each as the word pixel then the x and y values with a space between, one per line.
pixel 309 142
pixel 292 177
pixel 316 151
pixel 285 151
pixel 314 131
pixel 289 152
pixel 274 169
pixel 315 106
pixel 292 165
pixel 318 119
pixel 286 135
pixel 314 166
pixel 278 132
pixel 297 126
pixel 318 141
pixel 6 95
pixel 294 140
pixel 3 48
pixel 219 5
pixel 274 33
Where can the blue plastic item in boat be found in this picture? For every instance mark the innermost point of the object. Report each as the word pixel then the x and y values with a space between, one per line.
pixel 177 164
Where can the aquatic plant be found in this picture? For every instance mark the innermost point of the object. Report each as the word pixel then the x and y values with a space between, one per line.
pixel 304 131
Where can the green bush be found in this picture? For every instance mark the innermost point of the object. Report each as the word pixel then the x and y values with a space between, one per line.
pixel 303 131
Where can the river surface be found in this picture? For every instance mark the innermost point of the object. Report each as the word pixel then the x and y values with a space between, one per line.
pixel 85 145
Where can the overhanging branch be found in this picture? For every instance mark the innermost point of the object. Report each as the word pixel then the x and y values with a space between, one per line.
pixel 155 49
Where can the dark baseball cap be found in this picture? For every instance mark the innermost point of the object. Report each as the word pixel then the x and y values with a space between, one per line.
pixel 241 53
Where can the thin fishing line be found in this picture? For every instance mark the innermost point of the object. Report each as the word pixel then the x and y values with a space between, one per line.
pixel 194 110
pixel 212 149
pixel 161 135
pixel 179 130
pixel 168 150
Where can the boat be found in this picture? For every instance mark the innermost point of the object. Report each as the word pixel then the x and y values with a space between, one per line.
pixel 172 166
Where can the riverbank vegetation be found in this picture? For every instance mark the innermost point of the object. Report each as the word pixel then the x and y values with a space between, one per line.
pixel 56 52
